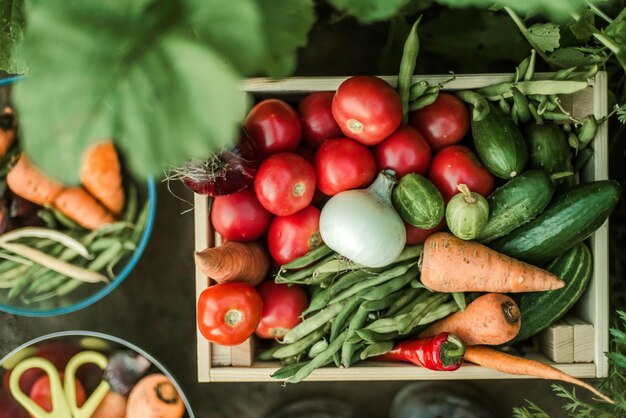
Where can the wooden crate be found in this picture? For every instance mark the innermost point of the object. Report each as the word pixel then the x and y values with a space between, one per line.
pixel 236 364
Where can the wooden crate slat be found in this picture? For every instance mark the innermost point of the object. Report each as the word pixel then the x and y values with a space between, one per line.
pixel 583 340
pixel 202 241
pixel 557 342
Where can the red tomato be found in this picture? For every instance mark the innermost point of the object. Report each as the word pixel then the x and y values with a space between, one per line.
pixel 306 153
pixel 416 236
pixel 367 109
pixel 285 183
pixel 292 236
pixel 40 393
pixel 228 313
pixel 343 164
pixel 456 165
pixel 282 308
pixel 444 122
pixel 240 216
pixel 405 151
pixel 274 126
pixel 318 123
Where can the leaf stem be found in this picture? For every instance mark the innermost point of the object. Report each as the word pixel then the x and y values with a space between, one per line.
pixel 524 30
pixel 598 12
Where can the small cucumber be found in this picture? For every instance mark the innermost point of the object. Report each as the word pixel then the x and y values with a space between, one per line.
pixel 467 213
pixel 517 202
pixel 418 201
pixel 569 219
pixel 547 144
pixel 542 309
pixel 500 144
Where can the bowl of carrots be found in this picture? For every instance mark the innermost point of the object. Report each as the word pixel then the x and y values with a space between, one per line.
pixel 64 248
pixel 80 373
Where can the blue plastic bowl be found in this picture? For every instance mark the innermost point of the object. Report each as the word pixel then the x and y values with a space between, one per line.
pixel 88 293
pixel 90 341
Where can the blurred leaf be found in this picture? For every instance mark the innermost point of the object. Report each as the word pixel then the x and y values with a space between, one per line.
pixel 558 10
pixel 99 71
pixel 545 36
pixel 11 36
pixel 286 24
pixel 572 57
pixel 582 28
pixel 617 29
pixel 368 11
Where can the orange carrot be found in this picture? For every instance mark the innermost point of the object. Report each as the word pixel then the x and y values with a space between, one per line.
pixel 100 173
pixel 82 208
pixel 491 319
pixel 246 262
pixel 155 396
pixel 26 181
pixel 453 265
pixel 112 406
pixel 7 134
pixel 507 363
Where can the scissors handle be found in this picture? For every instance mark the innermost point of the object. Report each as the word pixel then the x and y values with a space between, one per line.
pixel 60 407
pixel 91 404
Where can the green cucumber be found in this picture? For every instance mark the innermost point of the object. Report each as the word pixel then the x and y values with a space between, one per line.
pixel 467 213
pixel 548 149
pixel 418 201
pixel 569 219
pixel 500 144
pixel 516 203
pixel 542 309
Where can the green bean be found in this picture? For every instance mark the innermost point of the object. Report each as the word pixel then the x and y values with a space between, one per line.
pixel 433 89
pixel 407 296
pixel 105 256
pixel 64 220
pixel 423 101
pixel 533 112
pixel 530 72
pixel 338 265
pixel 348 279
pixel 543 105
pixel 42 283
pixel 418 89
pixel 102 244
pixel 412 319
pixel 419 299
pixel 288 371
pixel 300 345
pixel 591 72
pixel 573 140
pixel 318 301
pixel 131 204
pixel 111 265
pixel 347 348
pixel 459 299
pixel 521 105
pixel 382 278
pixel 545 87
pixel 320 360
pixel 588 131
pixel 140 224
pixel 385 325
pixel 298 276
pixel 407 66
pixel 581 159
pixel 409 253
pixel 68 287
pixel 376 349
pixel 478 102
pixel 563 74
pixel 505 107
pixel 521 69
pixel 48 218
pixel 290 360
pixel 309 325
pixel 268 354
pixel 555 116
pixel 383 303
pixel 567 127
pixel 24 281
pixel 317 348
pixel 376 337
pixel 441 312
pixel 309 258
pixel 14 273
pixel 389 287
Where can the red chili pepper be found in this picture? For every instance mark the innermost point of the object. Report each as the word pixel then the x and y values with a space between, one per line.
pixel 441 352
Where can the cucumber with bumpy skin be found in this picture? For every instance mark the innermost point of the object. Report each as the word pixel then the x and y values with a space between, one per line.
pixel 418 201
pixel 542 309
pixel 516 203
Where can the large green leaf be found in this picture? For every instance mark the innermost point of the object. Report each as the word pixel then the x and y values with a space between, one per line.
pixel 11 36
pixel 545 36
pixel 368 11
pixel 99 71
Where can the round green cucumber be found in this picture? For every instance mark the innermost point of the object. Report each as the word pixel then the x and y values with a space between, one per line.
pixel 418 201
pixel 548 149
pixel 467 213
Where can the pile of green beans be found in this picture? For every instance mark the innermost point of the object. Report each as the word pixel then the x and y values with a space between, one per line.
pixel 30 282
pixel 355 312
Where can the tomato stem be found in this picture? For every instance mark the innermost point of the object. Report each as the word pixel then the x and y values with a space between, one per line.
pixel 232 317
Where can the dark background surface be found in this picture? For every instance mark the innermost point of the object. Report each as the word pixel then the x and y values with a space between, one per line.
pixel 155 307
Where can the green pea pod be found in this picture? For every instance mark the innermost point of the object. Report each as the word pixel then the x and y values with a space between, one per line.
pixel 530 72
pixel 521 105
pixel 423 101
pixel 588 131
pixel 505 107
pixel 376 349
pixel 418 89
pixel 582 158
pixel 317 348
pixel 521 69
pixel 573 140
pixel 478 102
pixel 563 74
pixel 407 66
pixel 555 116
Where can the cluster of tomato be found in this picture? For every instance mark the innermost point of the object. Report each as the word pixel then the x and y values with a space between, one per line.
pixel 337 141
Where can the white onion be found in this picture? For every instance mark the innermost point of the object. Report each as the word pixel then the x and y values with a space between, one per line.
pixel 363 226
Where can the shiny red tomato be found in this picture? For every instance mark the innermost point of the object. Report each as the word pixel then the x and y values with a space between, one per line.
pixel 404 151
pixel 40 392
pixel 290 237
pixel 285 183
pixel 228 313
pixel 416 236
pixel 318 124
pixel 343 164
pixel 282 308
pixel 240 216
pixel 274 126
pixel 444 122
pixel 456 165
pixel 367 109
